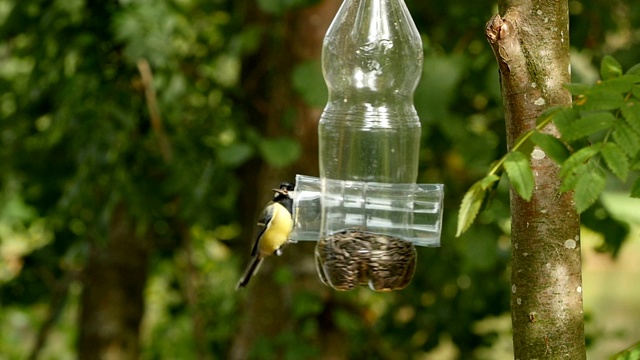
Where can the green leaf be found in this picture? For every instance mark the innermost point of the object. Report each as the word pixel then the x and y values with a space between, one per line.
pixel 557 114
pixel 616 160
pixel 578 158
pixel 309 83
pixel 610 68
pixel 235 155
pixel 570 179
pixel 280 152
pixel 564 118
pixel 622 84
pixel 631 114
pixel 577 89
pixel 635 90
pixel 490 185
pixel 635 70
pixel 626 138
pixel 469 209
pixel 598 99
pixel 520 174
pixel 552 146
pixel 635 163
pixel 586 125
pixel 635 189
pixel 488 181
pixel 588 189
pixel 472 202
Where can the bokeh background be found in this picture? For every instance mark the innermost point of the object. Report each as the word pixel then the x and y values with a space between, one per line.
pixel 121 197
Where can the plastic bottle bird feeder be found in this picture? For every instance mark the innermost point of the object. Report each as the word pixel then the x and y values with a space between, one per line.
pixel 366 210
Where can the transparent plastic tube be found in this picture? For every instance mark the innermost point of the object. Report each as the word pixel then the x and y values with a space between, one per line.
pixel 412 212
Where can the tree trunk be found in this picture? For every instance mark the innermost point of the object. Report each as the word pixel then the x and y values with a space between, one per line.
pixel 531 45
pixel 266 311
pixel 113 292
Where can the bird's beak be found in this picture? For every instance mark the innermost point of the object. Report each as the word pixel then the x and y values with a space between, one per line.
pixel 280 191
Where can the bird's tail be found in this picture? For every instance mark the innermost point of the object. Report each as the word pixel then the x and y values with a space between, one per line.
pixel 251 270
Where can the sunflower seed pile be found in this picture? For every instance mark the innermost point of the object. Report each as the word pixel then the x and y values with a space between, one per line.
pixel 352 258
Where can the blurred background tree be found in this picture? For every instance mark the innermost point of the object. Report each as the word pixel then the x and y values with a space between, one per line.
pixel 129 191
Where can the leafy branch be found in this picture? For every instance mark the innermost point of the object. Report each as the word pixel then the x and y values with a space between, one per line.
pixel 599 134
pixel 630 353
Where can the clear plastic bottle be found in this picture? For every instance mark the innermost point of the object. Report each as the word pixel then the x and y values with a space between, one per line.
pixel 369 132
pixel 372 62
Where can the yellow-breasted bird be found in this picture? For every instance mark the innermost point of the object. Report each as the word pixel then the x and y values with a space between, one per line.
pixel 274 227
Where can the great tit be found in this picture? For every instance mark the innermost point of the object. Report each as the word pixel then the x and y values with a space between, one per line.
pixel 274 227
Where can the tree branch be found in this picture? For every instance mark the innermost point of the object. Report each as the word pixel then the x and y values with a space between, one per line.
pixel 154 111
pixel 59 297
pixel 191 281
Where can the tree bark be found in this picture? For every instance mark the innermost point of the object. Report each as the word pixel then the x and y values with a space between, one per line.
pixel 531 45
pixel 266 311
pixel 113 292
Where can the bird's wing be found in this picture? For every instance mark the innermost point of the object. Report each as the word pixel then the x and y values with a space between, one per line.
pixel 265 218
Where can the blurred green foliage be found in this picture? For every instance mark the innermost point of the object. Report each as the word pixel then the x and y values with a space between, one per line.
pixel 76 140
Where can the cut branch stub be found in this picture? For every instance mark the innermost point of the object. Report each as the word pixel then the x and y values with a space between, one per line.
pixel 515 77
pixel 501 34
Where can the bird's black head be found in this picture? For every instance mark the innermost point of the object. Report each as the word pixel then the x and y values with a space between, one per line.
pixel 283 190
pixel 287 186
